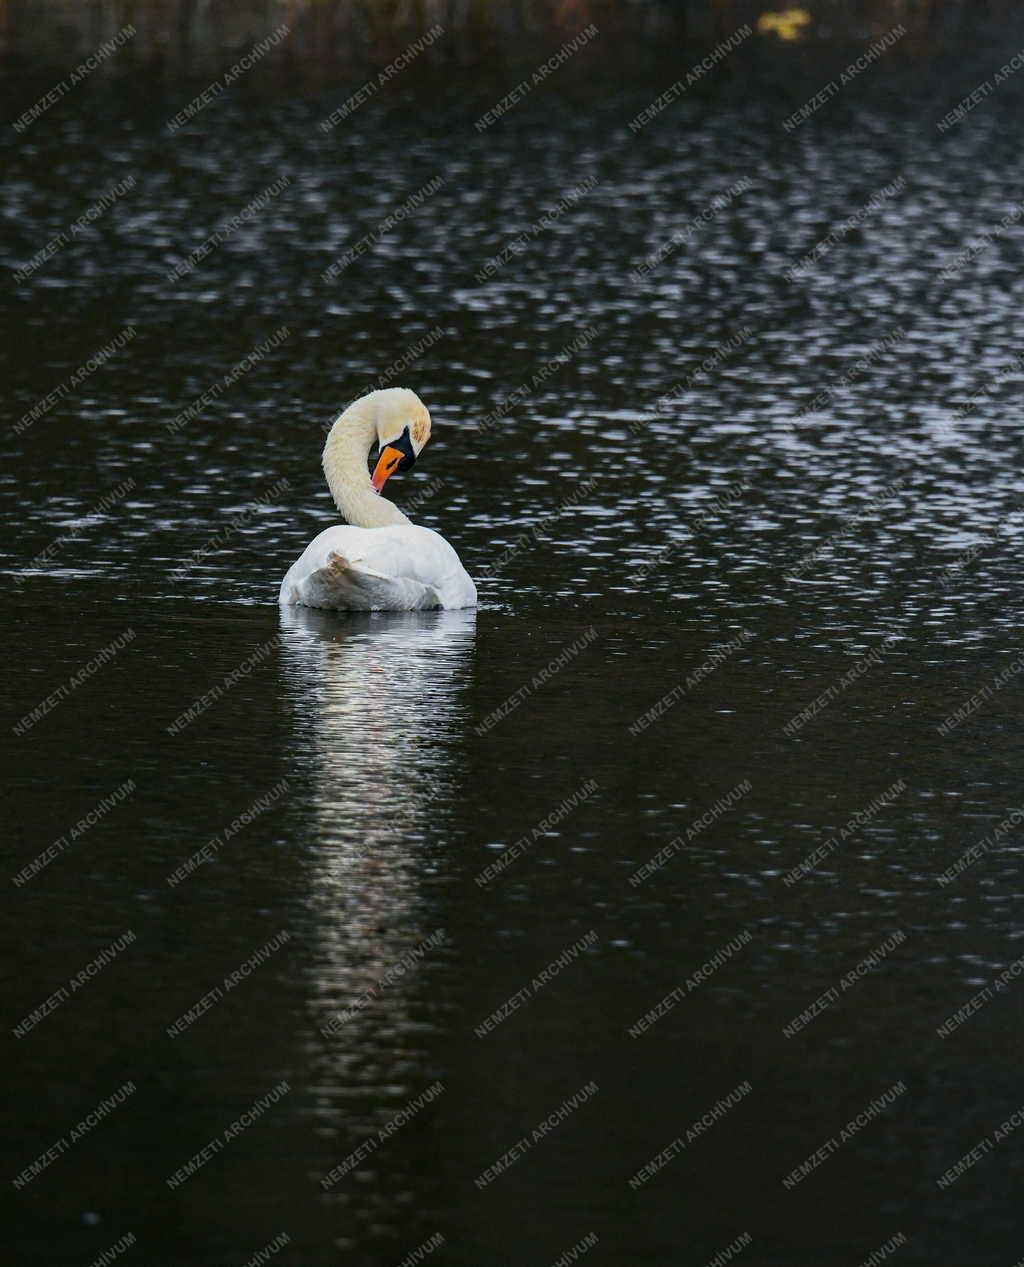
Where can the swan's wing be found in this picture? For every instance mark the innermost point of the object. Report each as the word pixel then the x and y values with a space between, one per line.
pixel 348 586
pixel 399 568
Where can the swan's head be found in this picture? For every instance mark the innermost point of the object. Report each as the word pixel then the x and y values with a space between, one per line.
pixel 403 428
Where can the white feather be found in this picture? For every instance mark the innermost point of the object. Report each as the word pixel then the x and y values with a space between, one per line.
pixel 398 568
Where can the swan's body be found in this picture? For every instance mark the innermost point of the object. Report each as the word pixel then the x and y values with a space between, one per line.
pixel 401 568
pixel 379 561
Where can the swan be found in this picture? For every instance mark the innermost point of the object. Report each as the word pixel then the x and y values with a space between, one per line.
pixel 378 561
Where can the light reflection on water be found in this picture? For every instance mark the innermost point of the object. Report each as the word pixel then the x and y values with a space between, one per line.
pixel 376 713
pixel 377 708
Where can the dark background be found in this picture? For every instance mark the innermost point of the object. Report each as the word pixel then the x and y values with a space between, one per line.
pixel 394 801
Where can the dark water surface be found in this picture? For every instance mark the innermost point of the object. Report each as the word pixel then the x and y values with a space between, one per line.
pixel 360 750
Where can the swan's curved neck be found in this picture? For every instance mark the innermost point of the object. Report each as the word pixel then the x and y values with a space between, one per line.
pixel 348 443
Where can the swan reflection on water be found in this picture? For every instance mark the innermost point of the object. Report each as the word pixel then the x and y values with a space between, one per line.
pixel 380 707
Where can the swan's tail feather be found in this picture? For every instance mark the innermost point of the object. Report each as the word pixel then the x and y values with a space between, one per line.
pixel 352 586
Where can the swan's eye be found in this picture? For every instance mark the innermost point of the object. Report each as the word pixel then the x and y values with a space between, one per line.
pixel 396 455
pixel 403 448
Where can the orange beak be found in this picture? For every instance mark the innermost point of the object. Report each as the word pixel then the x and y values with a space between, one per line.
pixel 386 466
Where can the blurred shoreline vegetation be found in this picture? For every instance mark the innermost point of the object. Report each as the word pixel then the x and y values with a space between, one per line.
pixel 327 39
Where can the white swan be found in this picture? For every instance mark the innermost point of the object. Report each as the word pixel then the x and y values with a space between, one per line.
pixel 380 561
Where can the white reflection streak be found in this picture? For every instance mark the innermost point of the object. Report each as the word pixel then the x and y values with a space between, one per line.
pixel 378 704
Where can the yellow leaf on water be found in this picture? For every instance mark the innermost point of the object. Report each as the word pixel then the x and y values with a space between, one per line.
pixel 787 24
